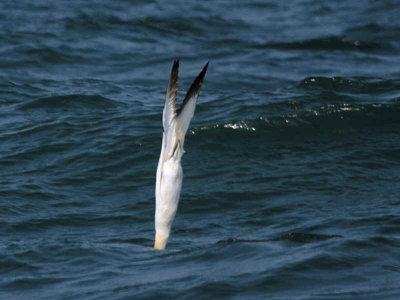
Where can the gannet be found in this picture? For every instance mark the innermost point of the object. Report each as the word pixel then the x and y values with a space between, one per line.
pixel 169 171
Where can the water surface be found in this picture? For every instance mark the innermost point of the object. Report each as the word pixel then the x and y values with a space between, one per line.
pixel 291 187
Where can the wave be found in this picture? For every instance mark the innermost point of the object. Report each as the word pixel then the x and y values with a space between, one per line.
pixel 75 101
pixel 373 32
pixel 367 85
pixel 328 43
pixel 162 24
pixel 327 117
pixel 53 55
pixel 72 220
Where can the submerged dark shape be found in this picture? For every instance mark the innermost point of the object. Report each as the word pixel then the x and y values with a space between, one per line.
pixel 300 237
pixel 297 237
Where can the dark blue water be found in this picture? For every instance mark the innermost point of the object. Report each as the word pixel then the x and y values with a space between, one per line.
pixel 292 163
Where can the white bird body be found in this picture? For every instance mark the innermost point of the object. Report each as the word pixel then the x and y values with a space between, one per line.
pixel 169 170
pixel 168 189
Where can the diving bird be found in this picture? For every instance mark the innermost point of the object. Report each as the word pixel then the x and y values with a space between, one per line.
pixel 169 171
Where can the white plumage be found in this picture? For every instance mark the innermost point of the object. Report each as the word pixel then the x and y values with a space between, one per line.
pixel 169 171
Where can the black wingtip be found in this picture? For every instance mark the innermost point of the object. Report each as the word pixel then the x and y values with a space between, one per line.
pixel 172 89
pixel 175 66
pixel 199 79
pixel 203 72
pixel 195 87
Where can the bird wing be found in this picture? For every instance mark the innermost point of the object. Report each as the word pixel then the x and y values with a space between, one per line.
pixel 170 110
pixel 186 111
